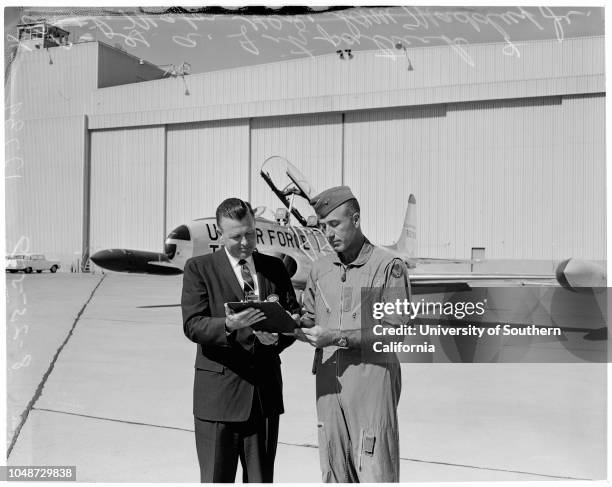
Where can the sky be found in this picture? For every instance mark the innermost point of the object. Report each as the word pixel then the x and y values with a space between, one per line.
pixel 218 38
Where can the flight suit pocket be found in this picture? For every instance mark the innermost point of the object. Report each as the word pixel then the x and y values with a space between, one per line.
pixel 378 454
pixel 367 442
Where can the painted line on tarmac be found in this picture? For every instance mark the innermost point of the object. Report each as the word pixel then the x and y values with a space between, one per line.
pixel 301 445
pixel 139 423
pixel 494 469
pixel 124 421
pixel 160 306
pixel 134 322
pixel 310 445
pixel 41 385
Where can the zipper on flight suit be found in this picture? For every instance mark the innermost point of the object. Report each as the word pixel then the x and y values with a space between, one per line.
pixel 343 281
pixel 349 447
pixel 319 351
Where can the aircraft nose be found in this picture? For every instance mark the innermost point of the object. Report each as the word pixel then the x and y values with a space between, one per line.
pixel 140 261
pixel 107 259
pixel 99 257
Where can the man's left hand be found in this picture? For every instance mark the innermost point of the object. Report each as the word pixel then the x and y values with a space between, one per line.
pixel 319 337
pixel 266 338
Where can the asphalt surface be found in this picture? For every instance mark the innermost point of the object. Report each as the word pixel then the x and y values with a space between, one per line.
pixel 100 376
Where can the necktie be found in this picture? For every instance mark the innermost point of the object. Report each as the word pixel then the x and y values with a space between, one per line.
pixel 247 277
pixel 245 335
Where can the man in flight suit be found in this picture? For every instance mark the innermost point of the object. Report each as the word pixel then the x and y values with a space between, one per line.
pixel 357 393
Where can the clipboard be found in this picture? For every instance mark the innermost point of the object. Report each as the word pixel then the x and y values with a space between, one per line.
pixel 277 319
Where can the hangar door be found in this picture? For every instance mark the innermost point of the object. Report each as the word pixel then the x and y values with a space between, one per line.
pixel 523 178
pixel 207 162
pixel 127 189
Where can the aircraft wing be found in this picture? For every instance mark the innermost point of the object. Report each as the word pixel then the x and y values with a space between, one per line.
pixel 443 283
pixel 520 301
pixel 162 264
pixel 507 279
pixel 435 260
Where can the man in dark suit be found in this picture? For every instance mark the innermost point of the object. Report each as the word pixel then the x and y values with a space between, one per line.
pixel 237 396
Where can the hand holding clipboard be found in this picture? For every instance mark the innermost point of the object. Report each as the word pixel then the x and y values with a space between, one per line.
pixel 245 318
pixel 275 319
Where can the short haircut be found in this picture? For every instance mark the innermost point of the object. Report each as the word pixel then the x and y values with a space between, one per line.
pixel 234 209
pixel 352 207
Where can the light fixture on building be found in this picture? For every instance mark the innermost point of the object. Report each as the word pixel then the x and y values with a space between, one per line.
pixel 401 46
pixel 187 93
pixel 345 54
pixel 173 71
pixel 169 70
pixel 141 61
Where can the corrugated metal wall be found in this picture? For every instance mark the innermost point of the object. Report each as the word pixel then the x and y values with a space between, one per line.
pixel 54 82
pixel 442 74
pixel 522 178
pixel 579 178
pixel 127 189
pixel 390 154
pixel 312 143
pixel 207 162
pixel 44 186
pixel 503 152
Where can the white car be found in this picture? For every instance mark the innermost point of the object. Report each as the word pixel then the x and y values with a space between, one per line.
pixel 30 262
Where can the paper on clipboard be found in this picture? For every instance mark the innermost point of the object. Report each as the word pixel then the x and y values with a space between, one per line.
pixel 277 319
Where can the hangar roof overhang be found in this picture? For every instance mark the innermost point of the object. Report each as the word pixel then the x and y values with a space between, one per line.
pixel 372 79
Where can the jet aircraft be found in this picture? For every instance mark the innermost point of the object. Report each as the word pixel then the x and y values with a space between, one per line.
pixel 299 244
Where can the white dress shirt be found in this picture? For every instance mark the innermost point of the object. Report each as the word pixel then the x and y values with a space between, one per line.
pixel 237 268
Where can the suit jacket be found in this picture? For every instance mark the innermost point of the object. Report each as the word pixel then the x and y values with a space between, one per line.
pixel 226 374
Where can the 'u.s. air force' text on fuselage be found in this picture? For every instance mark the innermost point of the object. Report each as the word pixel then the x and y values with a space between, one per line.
pixel 267 237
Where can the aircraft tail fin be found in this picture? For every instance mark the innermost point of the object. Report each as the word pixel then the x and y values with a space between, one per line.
pixel 407 241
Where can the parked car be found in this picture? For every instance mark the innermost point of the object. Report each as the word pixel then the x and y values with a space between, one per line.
pixel 30 262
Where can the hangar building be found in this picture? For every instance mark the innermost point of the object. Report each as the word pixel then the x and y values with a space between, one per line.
pixel 503 153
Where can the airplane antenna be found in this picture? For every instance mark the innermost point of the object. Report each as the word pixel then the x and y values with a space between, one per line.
pixel 291 202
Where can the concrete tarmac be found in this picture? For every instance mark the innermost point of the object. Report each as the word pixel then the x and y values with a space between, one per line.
pixel 110 391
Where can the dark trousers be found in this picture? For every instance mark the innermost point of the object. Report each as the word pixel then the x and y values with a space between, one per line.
pixel 220 444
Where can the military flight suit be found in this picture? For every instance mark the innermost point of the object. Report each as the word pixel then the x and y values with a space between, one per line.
pixel 357 396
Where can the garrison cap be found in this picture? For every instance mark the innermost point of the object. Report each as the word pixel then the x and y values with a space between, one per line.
pixel 330 199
